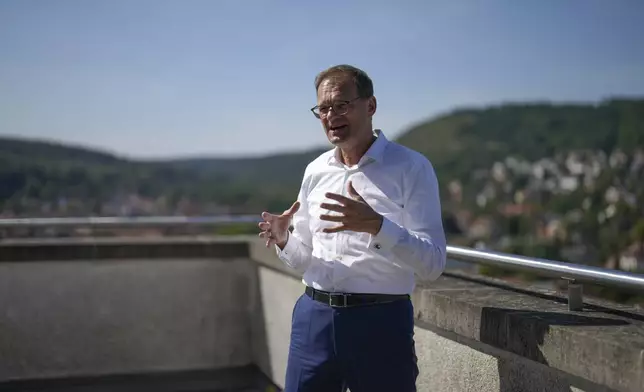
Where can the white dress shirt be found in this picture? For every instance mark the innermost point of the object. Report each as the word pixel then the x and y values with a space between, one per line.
pixel 398 183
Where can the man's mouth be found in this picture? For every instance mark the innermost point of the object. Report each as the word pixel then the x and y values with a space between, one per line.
pixel 337 128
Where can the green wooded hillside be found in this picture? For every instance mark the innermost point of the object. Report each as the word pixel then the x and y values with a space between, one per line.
pixel 457 143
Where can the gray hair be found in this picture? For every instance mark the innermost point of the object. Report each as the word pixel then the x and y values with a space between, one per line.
pixel 364 85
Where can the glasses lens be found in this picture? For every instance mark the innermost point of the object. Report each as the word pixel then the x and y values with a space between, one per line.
pixel 341 108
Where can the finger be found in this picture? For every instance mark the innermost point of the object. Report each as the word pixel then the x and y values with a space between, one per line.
pixel 353 192
pixel 333 207
pixel 264 225
pixel 271 240
pixel 267 216
pixel 332 218
pixel 335 229
pixel 294 208
pixel 342 199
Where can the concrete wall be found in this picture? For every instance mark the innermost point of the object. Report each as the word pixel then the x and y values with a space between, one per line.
pixel 122 312
pixel 119 316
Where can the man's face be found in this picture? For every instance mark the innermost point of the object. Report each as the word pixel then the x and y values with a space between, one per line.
pixel 343 129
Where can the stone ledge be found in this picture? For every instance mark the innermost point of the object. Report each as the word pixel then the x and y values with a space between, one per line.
pixel 122 248
pixel 599 344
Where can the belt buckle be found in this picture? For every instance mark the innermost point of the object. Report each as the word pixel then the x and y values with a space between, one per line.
pixel 344 297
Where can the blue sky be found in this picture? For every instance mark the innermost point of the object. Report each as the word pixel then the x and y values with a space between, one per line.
pixel 179 78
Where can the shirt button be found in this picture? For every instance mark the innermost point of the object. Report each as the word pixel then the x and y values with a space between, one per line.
pixel 377 246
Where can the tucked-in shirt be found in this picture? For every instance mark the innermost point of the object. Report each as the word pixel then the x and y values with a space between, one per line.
pixel 398 183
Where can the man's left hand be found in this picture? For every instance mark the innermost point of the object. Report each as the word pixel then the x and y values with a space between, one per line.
pixel 357 215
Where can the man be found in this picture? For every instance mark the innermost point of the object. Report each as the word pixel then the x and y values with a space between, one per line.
pixel 366 221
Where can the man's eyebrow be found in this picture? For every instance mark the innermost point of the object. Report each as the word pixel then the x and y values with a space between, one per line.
pixel 330 101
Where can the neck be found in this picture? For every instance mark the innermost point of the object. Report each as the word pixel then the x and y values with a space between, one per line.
pixel 352 155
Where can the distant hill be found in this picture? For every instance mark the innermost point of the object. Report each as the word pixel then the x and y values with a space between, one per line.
pixel 280 169
pixel 464 140
pixel 457 143
pixel 45 170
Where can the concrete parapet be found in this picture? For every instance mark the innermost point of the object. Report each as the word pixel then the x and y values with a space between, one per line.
pixel 128 306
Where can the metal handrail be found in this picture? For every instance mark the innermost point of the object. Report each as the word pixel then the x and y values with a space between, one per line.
pixel 573 273
pixel 127 220
pixel 551 268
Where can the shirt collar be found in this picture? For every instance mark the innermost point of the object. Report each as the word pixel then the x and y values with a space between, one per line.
pixel 374 153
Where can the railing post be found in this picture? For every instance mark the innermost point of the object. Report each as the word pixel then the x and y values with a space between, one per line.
pixel 575 295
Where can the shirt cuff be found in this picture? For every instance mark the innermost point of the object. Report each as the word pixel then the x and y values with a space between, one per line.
pixel 386 238
pixel 289 249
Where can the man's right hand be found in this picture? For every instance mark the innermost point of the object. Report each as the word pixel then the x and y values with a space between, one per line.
pixel 275 227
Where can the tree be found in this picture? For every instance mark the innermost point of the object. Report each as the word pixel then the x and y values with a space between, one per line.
pixel 637 233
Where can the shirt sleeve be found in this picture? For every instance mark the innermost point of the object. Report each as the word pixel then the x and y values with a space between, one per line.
pixel 420 245
pixel 297 253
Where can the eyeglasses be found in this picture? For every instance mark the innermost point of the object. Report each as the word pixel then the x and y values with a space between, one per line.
pixel 340 108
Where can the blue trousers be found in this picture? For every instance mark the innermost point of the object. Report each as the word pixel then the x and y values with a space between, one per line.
pixel 367 348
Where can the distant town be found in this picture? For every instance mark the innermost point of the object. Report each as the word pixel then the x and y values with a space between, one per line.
pixel 574 204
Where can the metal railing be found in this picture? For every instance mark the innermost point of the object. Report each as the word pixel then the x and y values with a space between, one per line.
pixel 127 221
pixel 575 274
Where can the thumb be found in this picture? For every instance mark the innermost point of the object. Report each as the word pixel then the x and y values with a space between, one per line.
pixel 294 208
pixel 353 192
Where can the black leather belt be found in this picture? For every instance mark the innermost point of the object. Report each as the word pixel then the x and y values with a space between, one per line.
pixel 344 300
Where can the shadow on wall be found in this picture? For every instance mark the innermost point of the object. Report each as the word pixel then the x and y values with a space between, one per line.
pixel 522 333
pixel 259 336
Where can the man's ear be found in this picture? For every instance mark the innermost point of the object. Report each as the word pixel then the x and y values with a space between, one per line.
pixel 372 105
